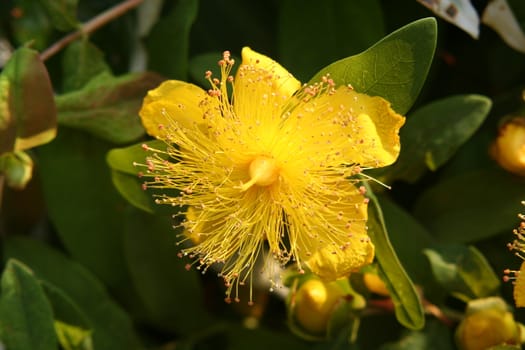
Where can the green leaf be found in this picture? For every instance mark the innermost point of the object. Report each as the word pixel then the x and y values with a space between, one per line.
pixel 409 238
pixel 335 28
pixel 73 170
pixel 427 144
pixel 408 307
pixel 72 337
pixel 27 318
pixel 463 271
pixel 82 61
pixel 471 206
pixel 394 68
pixel 31 24
pixel 435 336
pixel 108 106
pixel 62 13
pixel 72 326
pixel 27 107
pixel 160 276
pixel 125 176
pixel 170 57
pixel 112 328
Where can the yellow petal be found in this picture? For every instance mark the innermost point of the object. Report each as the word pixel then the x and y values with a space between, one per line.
pixel 348 127
pixel 332 262
pixel 285 83
pixel 172 100
pixel 329 232
pixel 519 287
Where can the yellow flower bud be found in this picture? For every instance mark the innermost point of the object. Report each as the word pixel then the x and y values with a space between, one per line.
pixel 315 302
pixel 487 323
pixel 509 147
pixel 375 284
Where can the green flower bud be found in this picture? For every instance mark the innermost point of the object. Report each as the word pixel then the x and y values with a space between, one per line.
pixel 17 168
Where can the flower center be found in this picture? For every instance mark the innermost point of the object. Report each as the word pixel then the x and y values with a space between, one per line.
pixel 263 172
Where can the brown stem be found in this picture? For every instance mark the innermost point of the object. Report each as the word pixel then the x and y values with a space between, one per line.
pixel 90 26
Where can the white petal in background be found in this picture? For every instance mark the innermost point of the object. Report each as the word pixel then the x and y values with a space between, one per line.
pixel 458 12
pixel 499 16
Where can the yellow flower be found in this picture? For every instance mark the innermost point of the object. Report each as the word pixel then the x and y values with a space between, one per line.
pixel 275 162
pixel 518 277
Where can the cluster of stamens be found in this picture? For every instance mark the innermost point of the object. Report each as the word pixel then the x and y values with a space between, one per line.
pixel 240 205
pixel 518 247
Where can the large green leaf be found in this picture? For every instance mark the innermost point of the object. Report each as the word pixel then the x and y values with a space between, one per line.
pixel 63 13
pixel 83 205
pixel 394 68
pixel 27 107
pixel 472 205
pixel 125 176
pixel 112 328
pixel 26 317
pixel 433 133
pixel 159 275
pixel 30 23
pixel 82 61
pixel 463 271
pixel 408 307
pixel 108 106
pixel 409 238
pixel 168 42
pixel 72 326
pixel 335 28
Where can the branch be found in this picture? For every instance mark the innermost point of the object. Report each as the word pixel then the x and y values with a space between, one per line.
pixel 90 26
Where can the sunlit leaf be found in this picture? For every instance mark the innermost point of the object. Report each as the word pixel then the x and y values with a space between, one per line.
pixel 26 320
pixel 27 107
pixel 339 28
pixel 458 12
pixel 408 307
pixel 112 327
pixel 394 68
pixel 463 271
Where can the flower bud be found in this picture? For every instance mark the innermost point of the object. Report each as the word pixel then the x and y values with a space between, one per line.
pixel 315 302
pixel 375 284
pixel 487 323
pixel 17 168
pixel 509 147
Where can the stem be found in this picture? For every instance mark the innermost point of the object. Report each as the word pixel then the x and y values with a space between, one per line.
pixel 90 26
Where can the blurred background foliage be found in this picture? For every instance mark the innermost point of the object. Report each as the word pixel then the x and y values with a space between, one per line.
pixel 89 261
